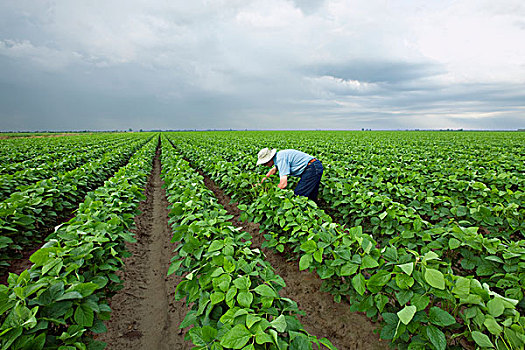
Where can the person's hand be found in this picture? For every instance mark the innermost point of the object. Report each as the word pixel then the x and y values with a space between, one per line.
pixel 264 178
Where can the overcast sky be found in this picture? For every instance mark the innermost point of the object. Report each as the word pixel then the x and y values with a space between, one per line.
pixel 264 64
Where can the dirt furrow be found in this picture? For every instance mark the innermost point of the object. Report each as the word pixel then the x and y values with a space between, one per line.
pixel 324 317
pixel 145 314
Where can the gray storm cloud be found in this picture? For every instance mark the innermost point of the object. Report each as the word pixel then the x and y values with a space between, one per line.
pixel 272 64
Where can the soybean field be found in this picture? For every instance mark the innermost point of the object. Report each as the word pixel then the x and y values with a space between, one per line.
pixel 169 241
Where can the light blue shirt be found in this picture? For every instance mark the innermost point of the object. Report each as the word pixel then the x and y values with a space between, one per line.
pixel 291 162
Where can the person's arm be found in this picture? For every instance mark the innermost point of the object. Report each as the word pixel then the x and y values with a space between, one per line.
pixel 270 173
pixel 284 182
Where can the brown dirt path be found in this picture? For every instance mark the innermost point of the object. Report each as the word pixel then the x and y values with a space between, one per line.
pixel 145 314
pixel 324 317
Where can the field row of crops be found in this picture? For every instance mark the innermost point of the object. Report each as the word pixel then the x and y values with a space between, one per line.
pixel 55 163
pixel 233 291
pixel 32 208
pixel 63 299
pixel 21 154
pixel 454 278
pixel 423 232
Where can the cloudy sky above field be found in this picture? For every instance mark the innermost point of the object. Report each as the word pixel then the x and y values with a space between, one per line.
pixel 262 64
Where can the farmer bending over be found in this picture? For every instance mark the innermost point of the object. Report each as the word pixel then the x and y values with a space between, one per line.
pixel 294 163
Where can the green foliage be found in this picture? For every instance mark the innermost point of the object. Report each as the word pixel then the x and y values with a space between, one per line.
pixel 63 298
pixel 232 290
pixel 27 215
pixel 51 159
pixel 431 252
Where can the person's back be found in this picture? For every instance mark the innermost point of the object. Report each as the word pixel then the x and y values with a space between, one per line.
pixel 291 162
pixel 294 163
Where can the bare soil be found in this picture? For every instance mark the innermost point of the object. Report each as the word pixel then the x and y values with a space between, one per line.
pixel 145 314
pixel 324 317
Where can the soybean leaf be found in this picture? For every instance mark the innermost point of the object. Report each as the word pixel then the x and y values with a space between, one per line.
pixel 453 243
pixel 10 335
pixel 99 327
pixel 208 333
pixel 223 282
pixel 492 325
pixel 496 307
pixel 420 301
pixel 430 256
pixel 236 338
pixel 440 317
pixel 196 336
pixel 245 298
pixel 348 269
pixel 251 320
pixel 279 323
pixel 305 261
pixel 262 338
pixel 216 245
pixel 436 337
pixel 403 281
pixel 174 267
pixel 318 255
pixel 231 294
pixel 69 296
pixel 327 343
pixel 100 281
pixel 216 297
pixel 358 282
pixel 390 318
pixel 380 300
pixel 299 341
pixel 378 280
pixel 368 262
pixel 407 268
pixel 462 286
pixel 265 291
pixel 435 278
pixel 482 339
pixel 309 246
pixel 407 314
pixel 84 315
pixel 404 296
pixel 242 282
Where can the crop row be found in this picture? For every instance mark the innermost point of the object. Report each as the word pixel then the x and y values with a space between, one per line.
pixel 232 290
pixel 496 159
pixel 406 178
pixel 26 215
pixel 494 259
pixel 74 158
pixel 370 193
pixel 21 154
pixel 63 298
pixel 419 298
